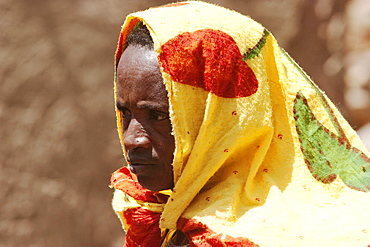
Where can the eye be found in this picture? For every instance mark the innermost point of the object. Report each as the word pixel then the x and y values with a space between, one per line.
pixel 125 113
pixel 125 117
pixel 159 116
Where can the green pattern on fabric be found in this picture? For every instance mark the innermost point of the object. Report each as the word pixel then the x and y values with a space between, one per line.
pixel 318 91
pixel 253 52
pixel 328 155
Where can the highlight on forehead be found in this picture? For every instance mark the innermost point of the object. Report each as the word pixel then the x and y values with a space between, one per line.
pixel 138 70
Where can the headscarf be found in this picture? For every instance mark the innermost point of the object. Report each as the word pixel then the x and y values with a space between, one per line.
pixel 263 157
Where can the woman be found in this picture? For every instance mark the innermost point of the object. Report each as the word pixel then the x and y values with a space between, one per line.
pixel 228 142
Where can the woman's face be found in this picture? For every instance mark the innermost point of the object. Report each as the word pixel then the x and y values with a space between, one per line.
pixel 142 100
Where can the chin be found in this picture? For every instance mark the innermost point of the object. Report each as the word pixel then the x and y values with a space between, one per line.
pixel 154 186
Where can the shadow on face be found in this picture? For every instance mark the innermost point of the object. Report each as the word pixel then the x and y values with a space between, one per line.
pixel 143 103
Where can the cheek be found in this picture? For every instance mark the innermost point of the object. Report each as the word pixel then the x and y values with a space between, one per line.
pixel 124 123
pixel 169 144
pixel 165 143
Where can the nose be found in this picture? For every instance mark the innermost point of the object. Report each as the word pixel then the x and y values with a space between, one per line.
pixel 135 136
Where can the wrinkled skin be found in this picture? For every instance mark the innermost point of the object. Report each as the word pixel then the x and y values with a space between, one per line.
pixel 143 103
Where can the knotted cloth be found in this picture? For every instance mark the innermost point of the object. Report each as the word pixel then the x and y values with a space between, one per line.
pixel 263 157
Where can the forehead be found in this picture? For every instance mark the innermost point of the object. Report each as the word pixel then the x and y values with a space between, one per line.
pixel 139 76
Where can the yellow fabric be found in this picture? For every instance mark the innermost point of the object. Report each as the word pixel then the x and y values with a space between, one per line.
pixel 238 164
pixel 121 202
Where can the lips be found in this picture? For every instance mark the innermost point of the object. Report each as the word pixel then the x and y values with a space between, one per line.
pixel 143 164
pixel 141 169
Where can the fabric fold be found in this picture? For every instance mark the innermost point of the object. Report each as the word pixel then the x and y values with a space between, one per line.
pixel 263 157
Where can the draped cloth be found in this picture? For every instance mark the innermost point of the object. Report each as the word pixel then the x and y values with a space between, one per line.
pixel 262 158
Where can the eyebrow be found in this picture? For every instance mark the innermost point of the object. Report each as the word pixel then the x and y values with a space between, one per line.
pixel 144 105
pixel 120 105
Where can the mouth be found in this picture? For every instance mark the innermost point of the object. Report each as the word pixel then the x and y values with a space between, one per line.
pixel 140 169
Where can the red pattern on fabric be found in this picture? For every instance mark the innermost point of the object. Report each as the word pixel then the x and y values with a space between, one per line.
pixel 144 228
pixel 143 224
pixel 124 180
pixel 199 235
pixel 175 4
pixel 209 59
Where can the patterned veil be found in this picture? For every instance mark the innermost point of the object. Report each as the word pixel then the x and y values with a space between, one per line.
pixel 263 157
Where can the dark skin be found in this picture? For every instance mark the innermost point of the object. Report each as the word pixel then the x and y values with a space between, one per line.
pixel 143 102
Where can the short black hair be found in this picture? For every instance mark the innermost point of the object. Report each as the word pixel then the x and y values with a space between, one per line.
pixel 140 36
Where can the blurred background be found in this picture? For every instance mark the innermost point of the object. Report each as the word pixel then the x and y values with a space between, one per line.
pixel 58 141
